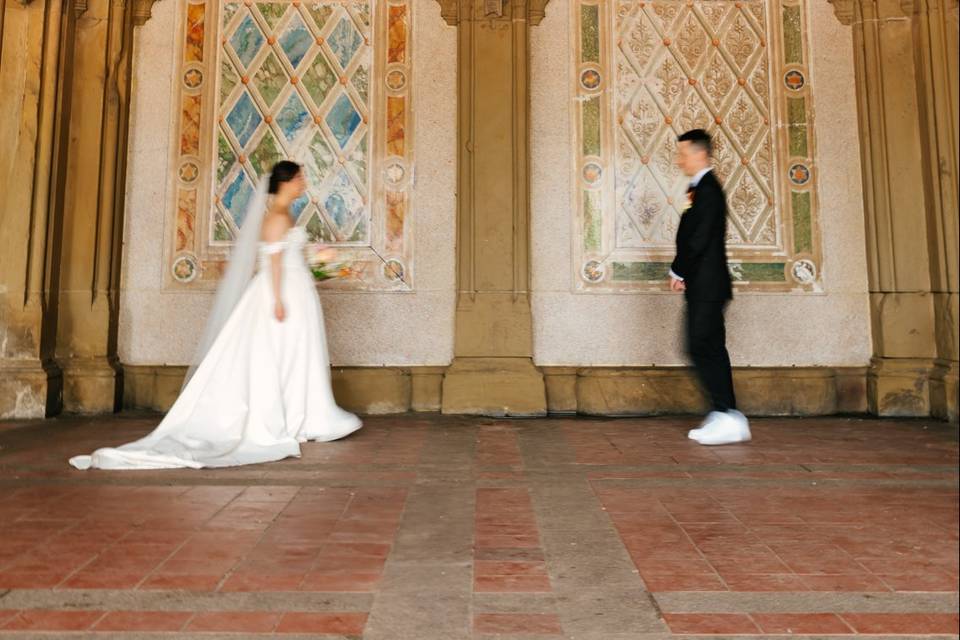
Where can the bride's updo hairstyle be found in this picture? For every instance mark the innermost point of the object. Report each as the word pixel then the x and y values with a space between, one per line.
pixel 283 171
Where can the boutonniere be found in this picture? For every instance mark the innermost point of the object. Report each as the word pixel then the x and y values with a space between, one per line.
pixel 687 202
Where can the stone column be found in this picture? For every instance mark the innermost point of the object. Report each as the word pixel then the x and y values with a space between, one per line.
pixel 91 229
pixel 65 79
pixel 86 345
pixel 935 34
pixel 908 208
pixel 35 76
pixel 493 371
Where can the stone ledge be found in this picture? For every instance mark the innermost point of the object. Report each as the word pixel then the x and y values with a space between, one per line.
pixel 608 391
pixel 368 390
pixel 775 391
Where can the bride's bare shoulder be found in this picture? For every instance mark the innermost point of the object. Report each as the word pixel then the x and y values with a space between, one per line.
pixel 275 226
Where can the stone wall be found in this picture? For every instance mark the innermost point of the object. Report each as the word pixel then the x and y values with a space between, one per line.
pixel 159 327
pixel 643 328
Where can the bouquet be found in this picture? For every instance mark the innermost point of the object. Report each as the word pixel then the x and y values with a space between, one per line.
pixel 322 264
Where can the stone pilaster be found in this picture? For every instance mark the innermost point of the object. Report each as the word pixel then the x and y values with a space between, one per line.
pixel 68 65
pixel 93 218
pixel 493 371
pixel 35 76
pixel 909 210
pixel 93 222
pixel 935 33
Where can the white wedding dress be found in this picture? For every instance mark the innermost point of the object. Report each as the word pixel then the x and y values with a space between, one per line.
pixel 262 388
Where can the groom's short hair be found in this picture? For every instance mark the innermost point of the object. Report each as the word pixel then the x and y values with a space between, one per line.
pixel 699 139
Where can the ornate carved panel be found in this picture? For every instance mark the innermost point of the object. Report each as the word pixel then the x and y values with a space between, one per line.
pixel 646 72
pixel 326 83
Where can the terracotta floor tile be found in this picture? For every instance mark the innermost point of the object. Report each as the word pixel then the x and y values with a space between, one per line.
pixel 357 549
pixel 668 566
pixel 346 582
pixel 823 565
pixel 12 580
pixel 349 564
pixel 106 580
pixel 268 494
pixel 519 623
pixel 911 623
pixel 513 583
pixel 695 582
pixel 175 538
pixel 765 582
pixel 42 620
pixel 490 568
pixel 932 581
pixel 800 623
pixel 753 564
pixel 184 581
pixel 509 541
pixel 262 582
pixel 509 554
pixel 323 623
pixel 862 582
pixel 710 623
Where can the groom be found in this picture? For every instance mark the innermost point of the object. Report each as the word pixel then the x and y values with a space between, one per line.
pixel 700 271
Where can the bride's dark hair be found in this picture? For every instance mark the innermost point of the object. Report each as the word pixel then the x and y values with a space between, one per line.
pixel 283 171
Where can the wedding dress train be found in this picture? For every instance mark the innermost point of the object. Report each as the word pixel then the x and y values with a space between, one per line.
pixel 262 388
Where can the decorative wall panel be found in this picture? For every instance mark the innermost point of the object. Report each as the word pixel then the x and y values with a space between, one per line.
pixel 648 71
pixel 325 83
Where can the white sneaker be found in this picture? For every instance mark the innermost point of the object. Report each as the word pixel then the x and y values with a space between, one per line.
pixel 733 427
pixel 712 417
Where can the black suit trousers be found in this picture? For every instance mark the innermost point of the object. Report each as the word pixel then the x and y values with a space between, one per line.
pixel 707 348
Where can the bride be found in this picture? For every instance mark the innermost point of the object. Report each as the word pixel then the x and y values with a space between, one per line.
pixel 262 385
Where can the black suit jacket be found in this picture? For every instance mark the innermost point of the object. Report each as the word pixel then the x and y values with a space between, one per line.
pixel 701 244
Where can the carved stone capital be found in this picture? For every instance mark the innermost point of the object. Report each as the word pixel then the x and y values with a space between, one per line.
pixel 844 10
pixel 536 10
pixel 850 11
pixel 142 11
pixel 454 11
pixel 450 11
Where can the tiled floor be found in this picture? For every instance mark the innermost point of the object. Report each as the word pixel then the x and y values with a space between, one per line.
pixel 440 528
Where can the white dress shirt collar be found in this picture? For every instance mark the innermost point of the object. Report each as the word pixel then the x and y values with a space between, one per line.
pixel 695 180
